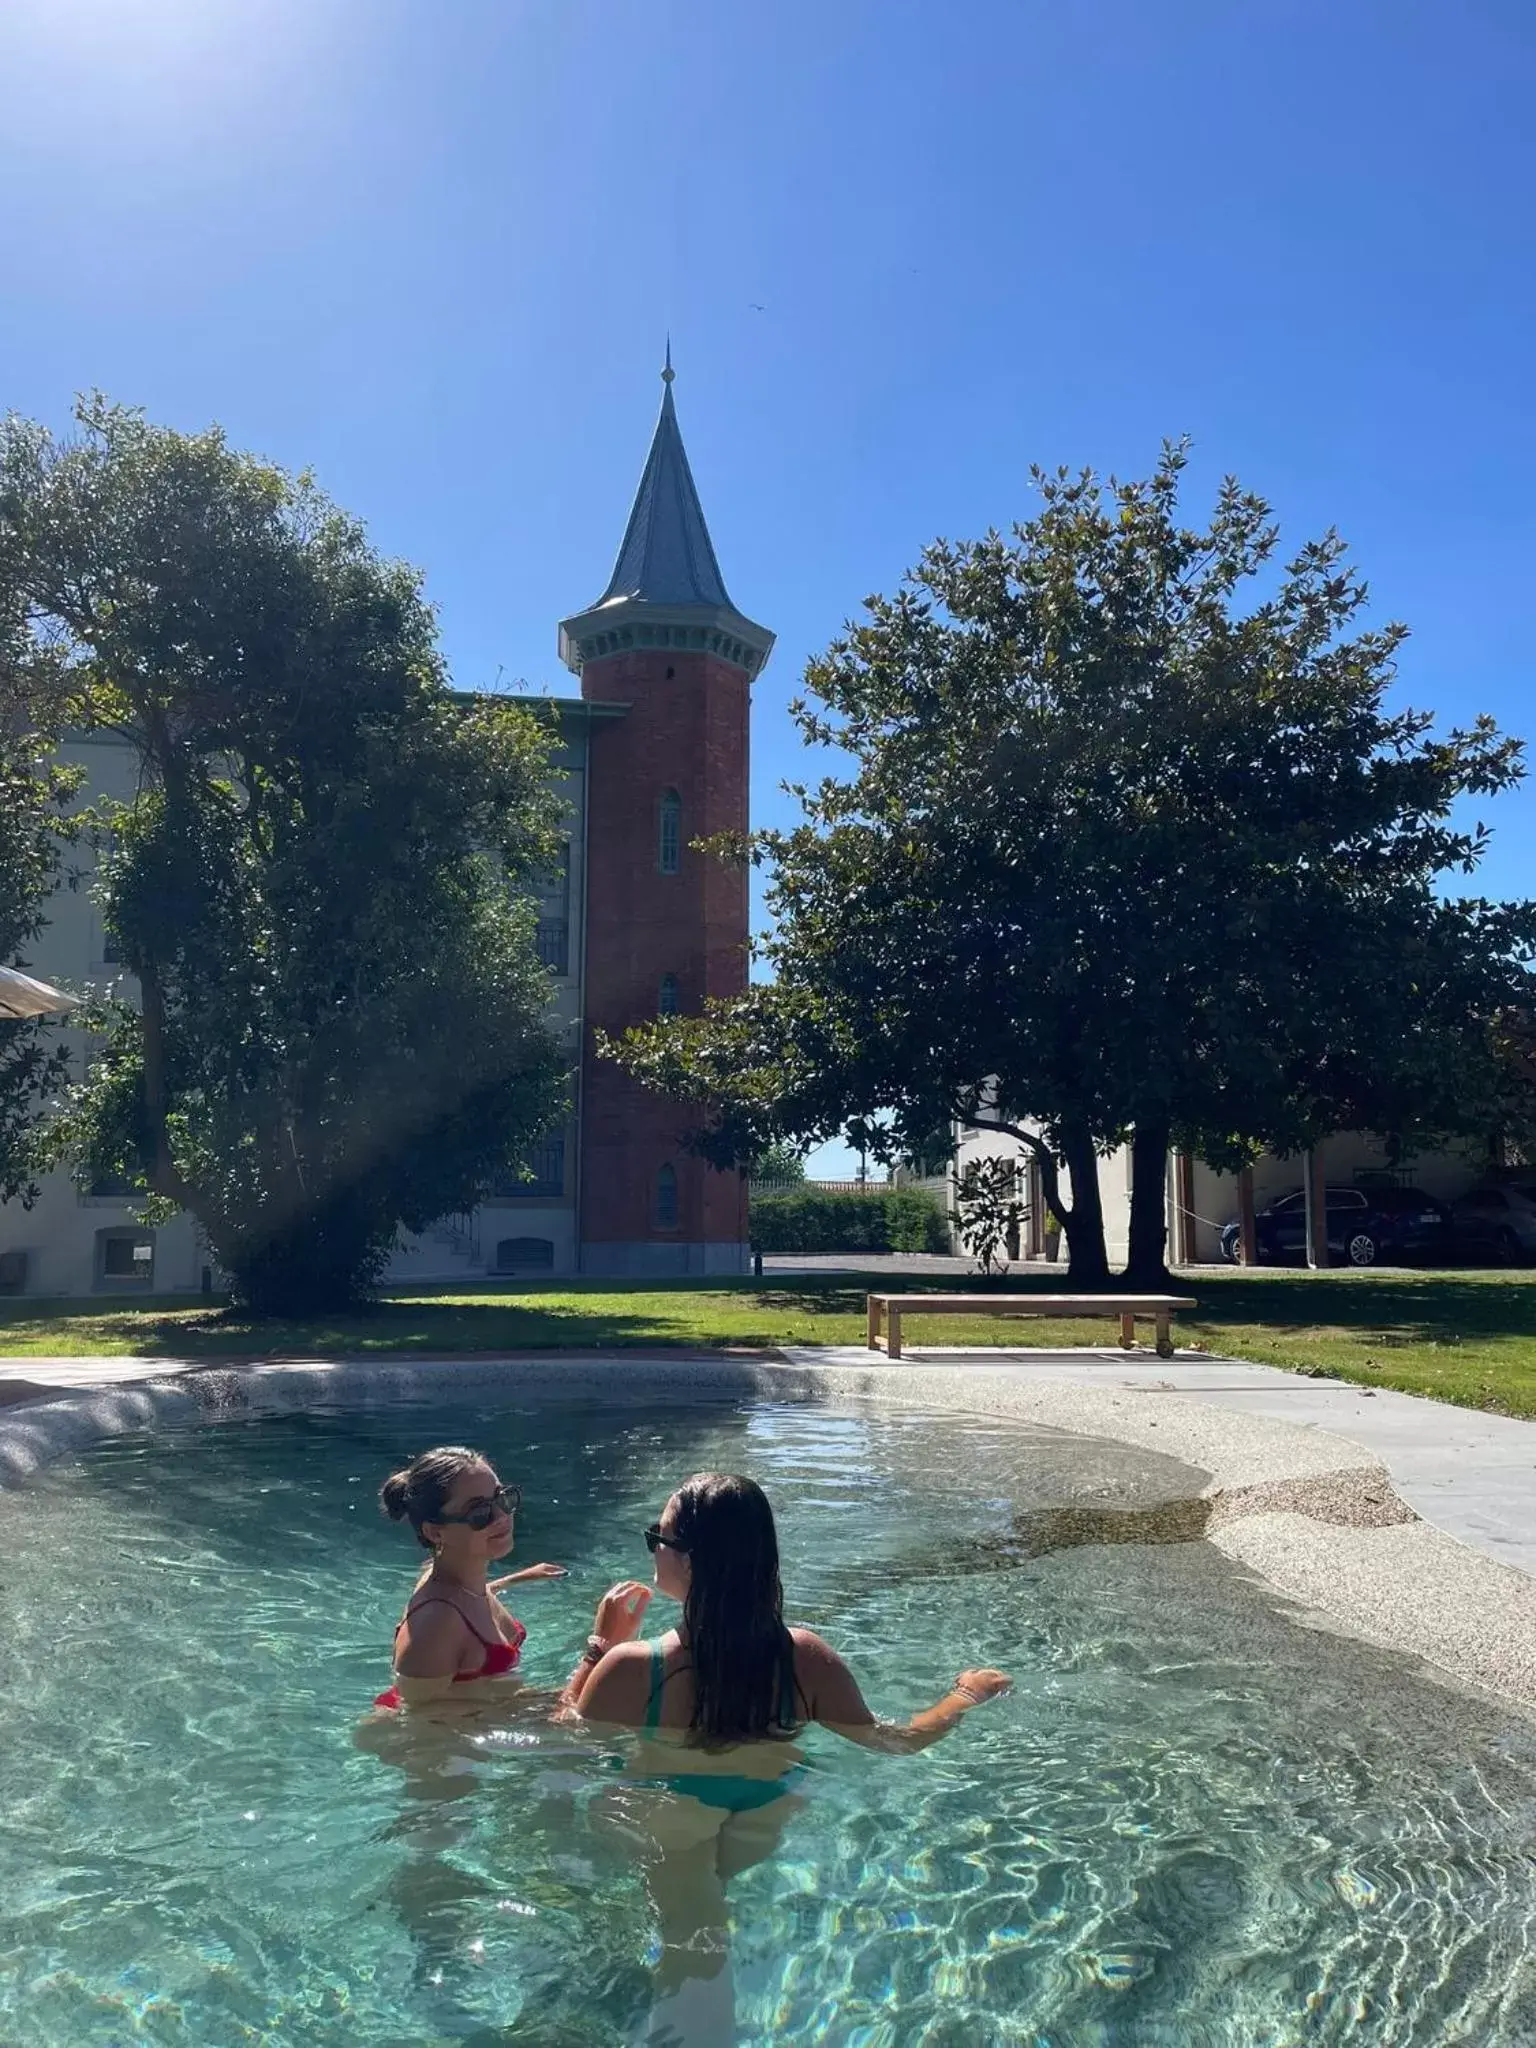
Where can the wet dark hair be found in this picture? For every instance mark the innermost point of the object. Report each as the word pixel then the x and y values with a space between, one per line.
pixel 420 1491
pixel 743 1658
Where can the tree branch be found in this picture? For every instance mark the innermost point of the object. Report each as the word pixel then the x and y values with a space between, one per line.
pixel 1050 1178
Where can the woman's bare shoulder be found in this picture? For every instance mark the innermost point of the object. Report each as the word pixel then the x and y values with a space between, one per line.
pixel 811 1646
pixel 618 1684
pixel 434 1616
pixel 622 1656
pixel 431 1639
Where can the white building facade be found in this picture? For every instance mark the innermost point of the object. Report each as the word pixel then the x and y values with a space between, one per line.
pixel 1201 1201
pixel 77 1242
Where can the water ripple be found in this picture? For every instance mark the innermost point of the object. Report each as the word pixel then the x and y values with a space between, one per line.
pixel 1193 1822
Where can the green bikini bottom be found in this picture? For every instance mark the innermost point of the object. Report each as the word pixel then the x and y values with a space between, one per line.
pixel 733 1795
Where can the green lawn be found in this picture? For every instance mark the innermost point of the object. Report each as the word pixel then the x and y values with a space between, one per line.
pixel 1464 1337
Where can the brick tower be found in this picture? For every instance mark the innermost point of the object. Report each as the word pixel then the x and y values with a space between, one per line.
pixel 665 926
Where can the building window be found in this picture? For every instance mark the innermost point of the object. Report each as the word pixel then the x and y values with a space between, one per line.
pixel 666 996
pixel 553 936
pixel 125 1258
pixel 525 1255
pixel 670 834
pixel 546 1163
pixel 553 884
pixel 666 1198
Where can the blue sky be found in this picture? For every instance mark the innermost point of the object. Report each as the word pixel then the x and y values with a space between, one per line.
pixel 430 248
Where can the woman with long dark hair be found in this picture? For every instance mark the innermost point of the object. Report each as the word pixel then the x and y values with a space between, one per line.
pixel 719 1699
pixel 732 1671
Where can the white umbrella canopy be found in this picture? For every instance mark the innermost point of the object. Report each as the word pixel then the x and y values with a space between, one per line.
pixel 21 996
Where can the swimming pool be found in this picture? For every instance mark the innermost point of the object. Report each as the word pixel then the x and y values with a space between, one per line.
pixel 1199 1818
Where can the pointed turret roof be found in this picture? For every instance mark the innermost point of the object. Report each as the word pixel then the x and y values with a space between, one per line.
pixel 666 556
pixel 666 588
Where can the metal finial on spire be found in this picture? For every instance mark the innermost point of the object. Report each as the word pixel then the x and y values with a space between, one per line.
pixel 668 373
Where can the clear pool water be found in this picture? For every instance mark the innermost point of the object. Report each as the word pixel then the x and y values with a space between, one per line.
pixel 1198 1818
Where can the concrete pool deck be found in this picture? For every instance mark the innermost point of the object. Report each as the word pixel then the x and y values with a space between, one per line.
pixel 1407 1521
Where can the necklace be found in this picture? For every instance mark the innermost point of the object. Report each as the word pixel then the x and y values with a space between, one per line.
pixel 459 1586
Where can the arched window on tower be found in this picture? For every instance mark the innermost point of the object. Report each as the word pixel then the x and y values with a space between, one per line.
pixel 666 1198
pixel 669 836
pixel 666 996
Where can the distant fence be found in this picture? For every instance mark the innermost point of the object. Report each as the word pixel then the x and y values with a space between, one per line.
pixel 823 1187
pixel 935 1184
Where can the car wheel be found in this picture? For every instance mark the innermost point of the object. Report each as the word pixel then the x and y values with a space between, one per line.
pixel 1362 1249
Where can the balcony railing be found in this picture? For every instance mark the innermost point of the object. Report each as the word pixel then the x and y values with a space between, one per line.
pixel 546 1163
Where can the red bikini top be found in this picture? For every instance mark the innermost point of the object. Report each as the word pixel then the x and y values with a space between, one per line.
pixel 500 1656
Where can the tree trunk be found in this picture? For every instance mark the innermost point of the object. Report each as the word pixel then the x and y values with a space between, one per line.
pixel 1146 1269
pixel 320 1260
pixel 162 1172
pixel 1087 1261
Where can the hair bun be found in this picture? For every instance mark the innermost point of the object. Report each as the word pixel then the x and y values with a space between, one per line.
pixel 395 1495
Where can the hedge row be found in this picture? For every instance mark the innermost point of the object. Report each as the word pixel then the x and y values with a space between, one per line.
pixel 884 1220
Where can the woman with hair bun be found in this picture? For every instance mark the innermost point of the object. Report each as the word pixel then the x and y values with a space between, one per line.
pixel 454 1630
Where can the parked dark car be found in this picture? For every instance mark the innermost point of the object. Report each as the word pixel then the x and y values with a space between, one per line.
pixel 1495 1226
pixel 1365 1225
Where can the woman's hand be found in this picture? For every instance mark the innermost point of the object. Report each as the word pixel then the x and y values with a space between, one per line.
pixel 529 1571
pixel 621 1611
pixel 982 1684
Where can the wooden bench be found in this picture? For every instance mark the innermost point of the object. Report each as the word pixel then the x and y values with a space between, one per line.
pixel 887 1310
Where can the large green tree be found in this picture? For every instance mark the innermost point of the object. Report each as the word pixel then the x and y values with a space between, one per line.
pixel 1115 857
pixel 321 886
pixel 36 826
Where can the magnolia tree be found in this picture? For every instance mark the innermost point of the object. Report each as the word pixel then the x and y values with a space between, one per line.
pixel 36 828
pixel 321 886
pixel 1121 842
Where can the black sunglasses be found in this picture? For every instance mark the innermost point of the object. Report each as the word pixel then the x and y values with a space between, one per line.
pixel 654 1541
pixel 480 1514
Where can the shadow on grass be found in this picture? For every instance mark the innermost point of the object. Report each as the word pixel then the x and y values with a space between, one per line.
pixel 570 1316
pixel 1396 1310
pixel 1405 1308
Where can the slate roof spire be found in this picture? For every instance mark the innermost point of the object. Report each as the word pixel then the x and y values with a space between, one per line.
pixel 666 556
pixel 666 590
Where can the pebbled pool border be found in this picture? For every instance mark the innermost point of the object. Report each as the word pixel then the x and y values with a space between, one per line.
pixel 1308 1511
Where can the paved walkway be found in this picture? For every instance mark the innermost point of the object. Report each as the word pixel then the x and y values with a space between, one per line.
pixel 29 1379
pixel 1470 1474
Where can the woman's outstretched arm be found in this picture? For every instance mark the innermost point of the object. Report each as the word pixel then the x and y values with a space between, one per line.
pixel 832 1693
pixel 619 1618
